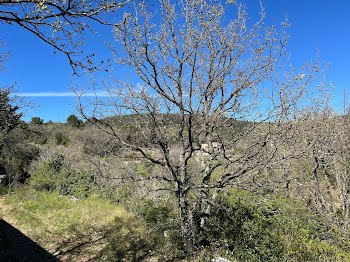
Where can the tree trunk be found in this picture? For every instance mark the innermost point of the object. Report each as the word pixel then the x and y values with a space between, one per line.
pixel 207 211
pixel 186 220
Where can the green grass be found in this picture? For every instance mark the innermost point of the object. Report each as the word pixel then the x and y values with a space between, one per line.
pixel 71 228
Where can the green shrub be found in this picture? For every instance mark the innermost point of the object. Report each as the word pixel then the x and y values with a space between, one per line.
pixel 78 184
pixel 246 230
pixel 272 228
pixel 61 139
pixel 162 220
pixel 53 176
pixel 36 135
pixel 15 158
pixel 156 214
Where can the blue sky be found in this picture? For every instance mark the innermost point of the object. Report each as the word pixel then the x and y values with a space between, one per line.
pixel 46 77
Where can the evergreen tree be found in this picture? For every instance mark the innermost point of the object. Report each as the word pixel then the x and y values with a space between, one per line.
pixel 9 117
pixel 37 121
pixel 74 121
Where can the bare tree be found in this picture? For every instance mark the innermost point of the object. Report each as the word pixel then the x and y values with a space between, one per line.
pixel 339 161
pixel 315 164
pixel 213 90
pixel 325 163
pixel 61 24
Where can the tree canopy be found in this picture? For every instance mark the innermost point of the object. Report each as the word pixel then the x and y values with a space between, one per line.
pixel 61 24
pixel 73 120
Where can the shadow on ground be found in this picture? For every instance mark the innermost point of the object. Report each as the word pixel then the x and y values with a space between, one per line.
pixel 16 247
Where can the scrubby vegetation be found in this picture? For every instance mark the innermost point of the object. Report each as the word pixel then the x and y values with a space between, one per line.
pixel 223 150
pixel 72 209
pixel 78 201
pixel 244 227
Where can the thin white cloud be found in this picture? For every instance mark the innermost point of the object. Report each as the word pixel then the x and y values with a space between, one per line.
pixel 62 94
